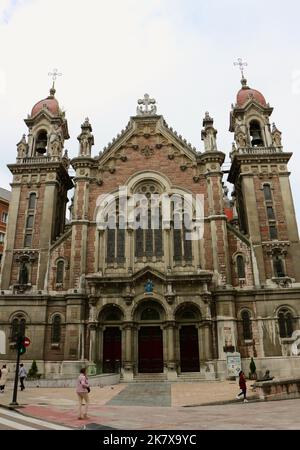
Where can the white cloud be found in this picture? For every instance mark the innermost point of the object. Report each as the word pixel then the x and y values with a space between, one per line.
pixel 181 53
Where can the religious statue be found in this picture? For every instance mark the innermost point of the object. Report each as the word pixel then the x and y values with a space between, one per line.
pixel 55 148
pixel 22 147
pixel 276 136
pixel 209 134
pixel 149 287
pixel 277 140
pixel 23 278
pixel 84 146
pixel 86 139
pixel 55 134
pixel 241 139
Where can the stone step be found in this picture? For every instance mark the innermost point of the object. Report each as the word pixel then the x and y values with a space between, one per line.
pixel 150 378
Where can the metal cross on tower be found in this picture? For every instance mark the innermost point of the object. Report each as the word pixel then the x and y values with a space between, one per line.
pixel 241 65
pixel 54 75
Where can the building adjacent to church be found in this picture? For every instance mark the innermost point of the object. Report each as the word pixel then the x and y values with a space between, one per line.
pixel 151 300
pixel 4 204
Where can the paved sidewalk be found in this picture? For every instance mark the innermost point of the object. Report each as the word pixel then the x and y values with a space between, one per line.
pixel 158 406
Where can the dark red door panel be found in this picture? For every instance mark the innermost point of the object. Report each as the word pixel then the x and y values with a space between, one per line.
pixel 150 350
pixel 189 349
pixel 112 349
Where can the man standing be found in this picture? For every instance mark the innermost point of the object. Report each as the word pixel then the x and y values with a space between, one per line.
pixel 22 375
pixel 3 378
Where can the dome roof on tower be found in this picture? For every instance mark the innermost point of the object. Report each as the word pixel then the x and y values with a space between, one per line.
pixel 246 93
pixel 50 103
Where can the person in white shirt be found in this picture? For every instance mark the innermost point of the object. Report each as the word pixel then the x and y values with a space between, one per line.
pixel 22 375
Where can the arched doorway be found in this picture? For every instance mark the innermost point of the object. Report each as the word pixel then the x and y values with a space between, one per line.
pixel 188 318
pixel 111 318
pixel 150 314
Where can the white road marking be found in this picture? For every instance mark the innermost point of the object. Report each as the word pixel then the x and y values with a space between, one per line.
pixel 15 425
pixel 32 420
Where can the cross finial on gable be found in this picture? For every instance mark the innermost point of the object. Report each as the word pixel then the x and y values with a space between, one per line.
pixel 146 102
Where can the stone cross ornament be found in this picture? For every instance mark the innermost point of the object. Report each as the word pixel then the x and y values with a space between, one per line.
pixel 145 103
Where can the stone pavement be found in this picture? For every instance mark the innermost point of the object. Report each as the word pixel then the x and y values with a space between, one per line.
pixel 158 406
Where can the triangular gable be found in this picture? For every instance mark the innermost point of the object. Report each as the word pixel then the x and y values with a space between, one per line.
pixel 147 126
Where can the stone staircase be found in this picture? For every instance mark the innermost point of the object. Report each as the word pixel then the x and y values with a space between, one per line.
pixel 191 377
pixel 149 378
pixel 186 377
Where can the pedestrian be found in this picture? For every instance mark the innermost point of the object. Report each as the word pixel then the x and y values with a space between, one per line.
pixel 22 375
pixel 3 378
pixel 83 390
pixel 243 386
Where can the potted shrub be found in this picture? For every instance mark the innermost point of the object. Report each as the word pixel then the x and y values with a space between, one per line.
pixel 253 374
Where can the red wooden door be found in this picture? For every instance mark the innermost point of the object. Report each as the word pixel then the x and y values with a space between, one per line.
pixel 189 349
pixel 150 350
pixel 111 350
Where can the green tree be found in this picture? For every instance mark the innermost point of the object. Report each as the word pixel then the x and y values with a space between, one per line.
pixel 33 371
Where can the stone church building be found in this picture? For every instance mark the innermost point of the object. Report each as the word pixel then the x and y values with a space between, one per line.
pixel 152 301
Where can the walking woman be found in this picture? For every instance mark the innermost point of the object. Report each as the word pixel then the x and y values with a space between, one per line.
pixel 83 389
pixel 243 387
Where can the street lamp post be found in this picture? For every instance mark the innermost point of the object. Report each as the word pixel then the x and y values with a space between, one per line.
pixel 20 350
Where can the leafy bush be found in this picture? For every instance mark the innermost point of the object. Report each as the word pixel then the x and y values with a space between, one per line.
pixel 33 371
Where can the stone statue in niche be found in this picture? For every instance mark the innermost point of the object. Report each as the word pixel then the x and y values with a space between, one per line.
pixel 55 141
pixel 149 287
pixel 241 140
pixel 23 277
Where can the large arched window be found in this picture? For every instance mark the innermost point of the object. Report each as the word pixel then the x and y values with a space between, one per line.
pixel 182 227
pixel 115 242
pixel 30 220
pixel 256 134
pixel 285 322
pixel 56 329
pixel 111 313
pixel 32 201
pixel 247 327
pixel 267 193
pixel 150 314
pixel 240 264
pixel 149 232
pixel 18 327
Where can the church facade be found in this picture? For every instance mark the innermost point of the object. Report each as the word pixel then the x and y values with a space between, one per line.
pixel 140 300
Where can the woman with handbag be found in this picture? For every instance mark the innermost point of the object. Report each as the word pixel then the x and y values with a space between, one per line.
pixel 83 390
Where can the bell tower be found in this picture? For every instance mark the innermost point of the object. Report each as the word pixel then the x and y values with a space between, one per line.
pixel 262 189
pixel 39 197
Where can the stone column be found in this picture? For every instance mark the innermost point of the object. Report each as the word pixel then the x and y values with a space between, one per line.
pixel 128 364
pixel 129 248
pixel 92 347
pixel 92 369
pixel 207 342
pixel 171 364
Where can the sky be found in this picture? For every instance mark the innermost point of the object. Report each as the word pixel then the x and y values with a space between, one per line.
pixel 181 52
